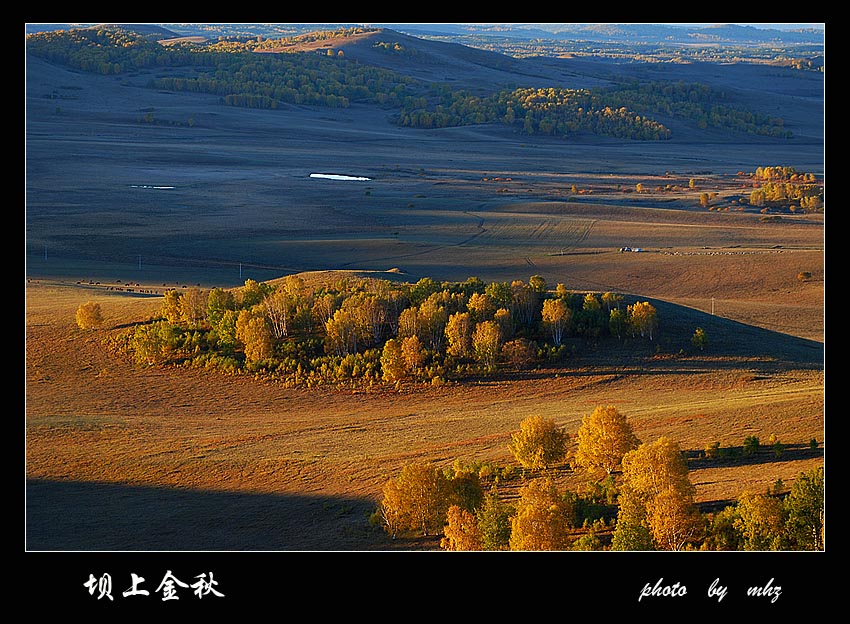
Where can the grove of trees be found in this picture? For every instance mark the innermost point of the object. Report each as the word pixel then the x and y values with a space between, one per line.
pixel 638 496
pixel 367 331
pixel 785 187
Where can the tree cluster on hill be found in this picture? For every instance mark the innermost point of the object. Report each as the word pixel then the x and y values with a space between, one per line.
pixel 243 72
pixel 369 331
pixel 552 112
pixel 697 102
pixel 645 501
pixel 229 69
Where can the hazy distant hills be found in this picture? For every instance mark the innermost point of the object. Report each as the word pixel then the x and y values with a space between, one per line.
pixel 634 33
pixel 627 33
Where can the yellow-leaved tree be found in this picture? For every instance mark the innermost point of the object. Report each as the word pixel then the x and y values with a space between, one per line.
pixel 459 334
pixel 487 344
pixel 253 331
pixel 415 500
pixel 643 318
pixel 393 366
pixel 760 521
pixel 539 443
pixel 461 532
pixel 556 316
pixel 657 509
pixel 543 518
pixel 604 437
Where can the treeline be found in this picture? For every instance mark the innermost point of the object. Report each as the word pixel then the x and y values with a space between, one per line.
pixel 236 70
pixel 366 331
pixel 697 102
pixel 551 111
pixel 293 79
pixel 229 69
pixel 636 496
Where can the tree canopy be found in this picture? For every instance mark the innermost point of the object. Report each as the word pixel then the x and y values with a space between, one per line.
pixel 604 437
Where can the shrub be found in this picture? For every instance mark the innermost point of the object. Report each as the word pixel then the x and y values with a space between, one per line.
pixel 751 445
pixel 712 450
pixel 699 340
pixel 89 315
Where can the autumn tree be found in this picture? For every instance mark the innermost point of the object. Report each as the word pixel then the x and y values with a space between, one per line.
pixel 341 333
pixel 459 334
pixel 89 315
pixel 253 332
pixel 192 307
pixel 461 531
pixel 591 303
pixel 432 322
pixel 323 308
pixel 617 323
pixel 408 323
pixel 537 284
pixel 372 317
pixel 520 353
pixel 611 300
pixel 170 307
pixel 415 500
pixel 562 292
pixel 393 366
pixel 643 318
pixel 760 521
pixel 542 519
pixel 505 322
pixel 481 307
pixel 525 300
pixel 674 519
pixel 464 488
pixel 656 499
pixel 556 317
pixel 604 437
pixel 413 354
pixel 539 443
pixel 486 344
pixel 280 307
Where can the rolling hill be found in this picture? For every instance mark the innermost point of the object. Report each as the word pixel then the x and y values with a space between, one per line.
pixel 130 187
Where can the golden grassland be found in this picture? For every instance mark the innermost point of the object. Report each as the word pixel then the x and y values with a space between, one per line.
pixel 120 457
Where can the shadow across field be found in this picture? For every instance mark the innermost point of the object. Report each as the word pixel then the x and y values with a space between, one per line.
pixel 730 338
pixel 77 516
pixel 766 453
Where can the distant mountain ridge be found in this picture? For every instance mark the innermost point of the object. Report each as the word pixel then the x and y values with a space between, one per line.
pixel 645 33
pixel 603 32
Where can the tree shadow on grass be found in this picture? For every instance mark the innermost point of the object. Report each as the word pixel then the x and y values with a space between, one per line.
pixel 764 454
pixel 85 516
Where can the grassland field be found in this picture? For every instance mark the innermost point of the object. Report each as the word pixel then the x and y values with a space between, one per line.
pixel 147 459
